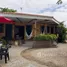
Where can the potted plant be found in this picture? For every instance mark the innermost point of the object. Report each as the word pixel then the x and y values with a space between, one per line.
pixel 44 40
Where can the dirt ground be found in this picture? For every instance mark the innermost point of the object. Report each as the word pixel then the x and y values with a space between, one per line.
pixel 50 57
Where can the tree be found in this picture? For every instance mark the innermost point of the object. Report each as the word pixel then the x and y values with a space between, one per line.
pixel 59 2
pixel 7 10
pixel 62 32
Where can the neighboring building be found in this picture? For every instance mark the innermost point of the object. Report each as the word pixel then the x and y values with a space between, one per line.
pixel 27 25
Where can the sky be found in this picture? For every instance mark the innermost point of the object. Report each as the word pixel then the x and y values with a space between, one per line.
pixel 43 7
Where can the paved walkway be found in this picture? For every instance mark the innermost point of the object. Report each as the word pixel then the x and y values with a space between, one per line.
pixel 16 60
pixel 51 57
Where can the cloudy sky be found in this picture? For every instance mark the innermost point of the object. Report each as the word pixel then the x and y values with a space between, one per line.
pixel 44 7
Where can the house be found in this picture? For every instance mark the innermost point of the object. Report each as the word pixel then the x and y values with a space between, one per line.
pixel 27 25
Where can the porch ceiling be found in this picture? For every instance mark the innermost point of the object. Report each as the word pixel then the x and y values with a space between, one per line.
pixel 47 21
pixel 16 19
pixel 30 21
pixel 28 18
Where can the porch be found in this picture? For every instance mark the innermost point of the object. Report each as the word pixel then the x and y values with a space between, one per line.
pixel 27 26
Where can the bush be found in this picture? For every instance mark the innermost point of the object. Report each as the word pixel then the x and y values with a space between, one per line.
pixel 3 42
pixel 62 32
pixel 45 37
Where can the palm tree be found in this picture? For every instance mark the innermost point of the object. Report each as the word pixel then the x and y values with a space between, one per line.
pixel 59 2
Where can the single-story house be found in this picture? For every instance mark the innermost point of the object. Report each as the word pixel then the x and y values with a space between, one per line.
pixel 27 26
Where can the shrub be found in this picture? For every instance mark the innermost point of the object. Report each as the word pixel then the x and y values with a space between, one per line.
pixel 45 37
pixel 62 32
pixel 3 42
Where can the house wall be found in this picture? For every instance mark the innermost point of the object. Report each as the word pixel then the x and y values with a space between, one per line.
pixel 3 33
pixel 35 31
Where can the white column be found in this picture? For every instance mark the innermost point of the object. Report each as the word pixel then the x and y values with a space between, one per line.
pixel 45 30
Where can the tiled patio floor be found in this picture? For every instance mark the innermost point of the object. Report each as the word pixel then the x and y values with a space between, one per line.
pixel 16 60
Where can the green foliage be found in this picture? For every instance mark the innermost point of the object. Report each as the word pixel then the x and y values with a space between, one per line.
pixel 62 32
pixel 59 2
pixel 7 10
pixel 45 37
pixel 3 41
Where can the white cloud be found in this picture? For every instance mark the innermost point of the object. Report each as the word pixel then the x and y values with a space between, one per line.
pixel 63 8
pixel 26 4
pixel 49 7
pixel 60 16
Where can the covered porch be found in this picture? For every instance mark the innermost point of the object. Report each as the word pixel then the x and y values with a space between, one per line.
pixel 27 25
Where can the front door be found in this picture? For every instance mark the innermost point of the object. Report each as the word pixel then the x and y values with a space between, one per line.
pixel 8 31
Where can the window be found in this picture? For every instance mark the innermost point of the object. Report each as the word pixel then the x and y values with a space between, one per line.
pixel 1 28
pixel 42 29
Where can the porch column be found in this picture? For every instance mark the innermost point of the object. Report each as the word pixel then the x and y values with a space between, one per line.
pixel 50 29
pixel 35 27
pixel 45 30
pixel 13 31
pixel 54 29
pixel 24 32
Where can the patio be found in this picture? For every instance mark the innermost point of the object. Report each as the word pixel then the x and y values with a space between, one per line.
pixel 16 60
pixel 48 57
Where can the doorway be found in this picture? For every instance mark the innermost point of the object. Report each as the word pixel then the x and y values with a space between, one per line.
pixel 19 32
